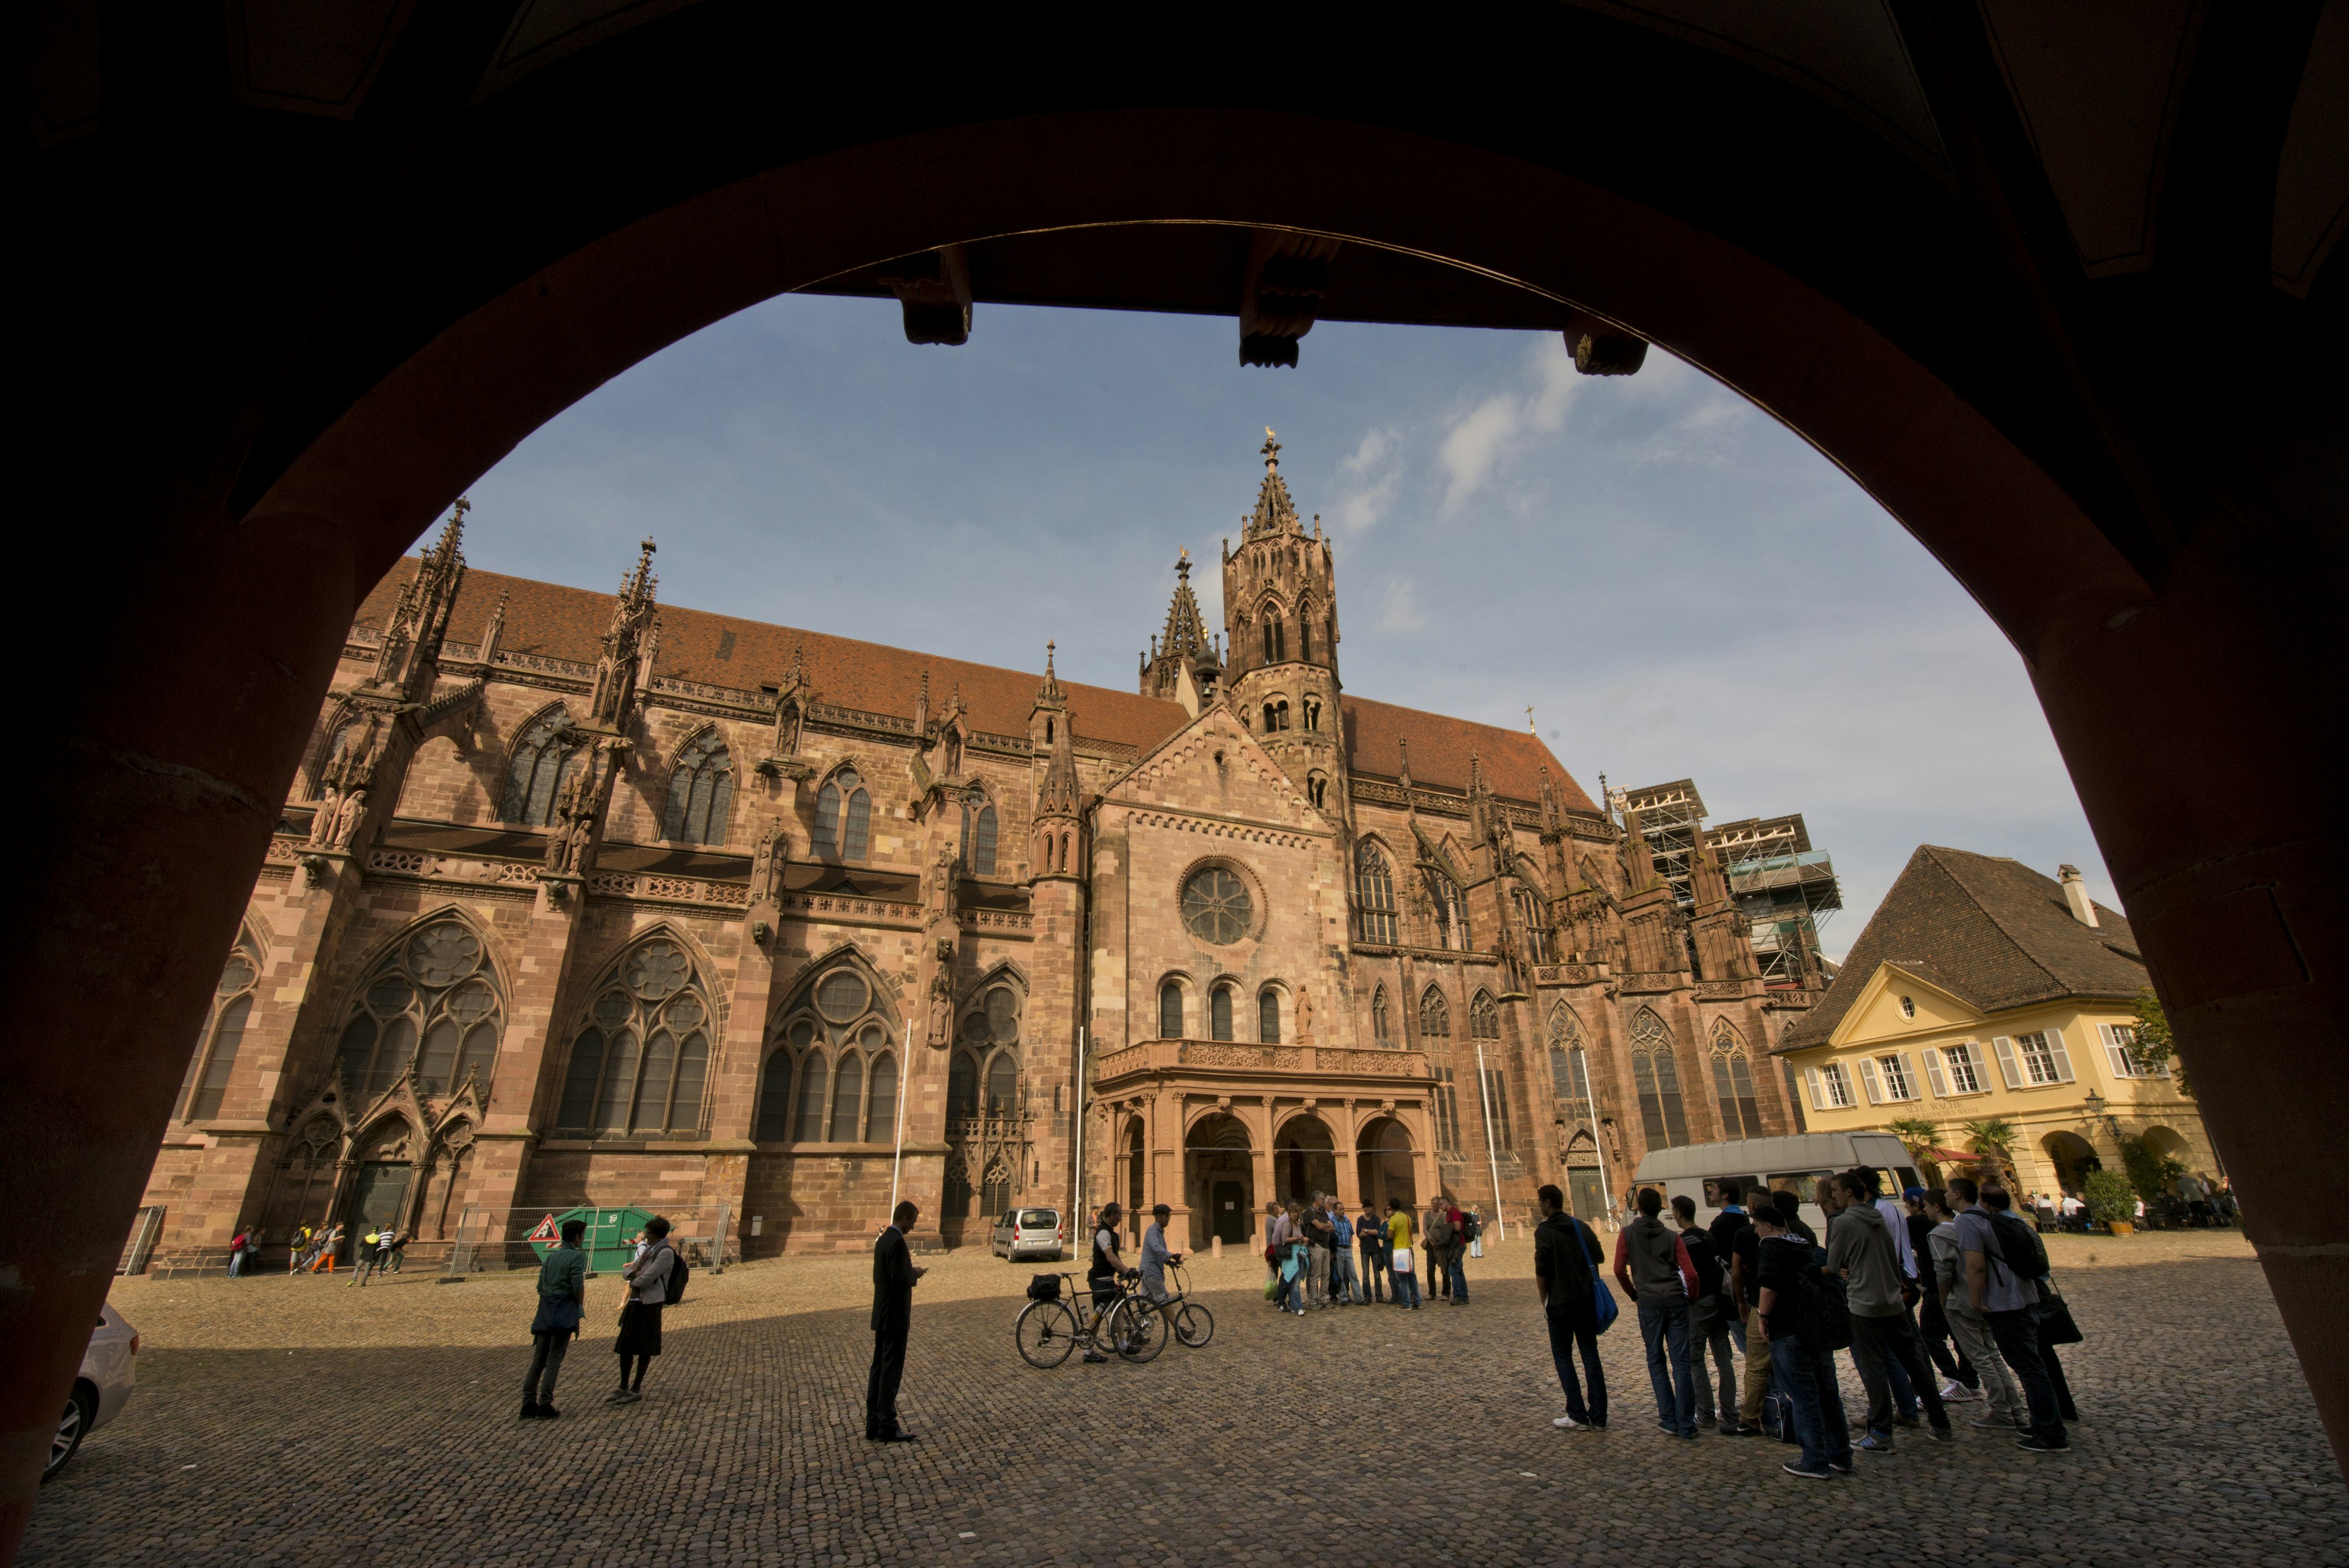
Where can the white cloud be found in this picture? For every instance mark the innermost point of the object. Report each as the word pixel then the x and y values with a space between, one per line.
pixel 1479 440
pixel 1399 606
pixel 1369 480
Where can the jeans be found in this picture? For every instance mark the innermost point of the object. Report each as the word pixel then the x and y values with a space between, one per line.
pixel 1459 1276
pixel 1375 1268
pixel 1575 1326
pixel 1406 1288
pixel 1343 1286
pixel 236 1263
pixel 1880 1345
pixel 1709 1333
pixel 2017 1337
pixel 1933 1328
pixel 1317 1266
pixel 1973 1337
pixel 1292 1293
pixel 1807 1378
pixel 1664 1329
pixel 548 1350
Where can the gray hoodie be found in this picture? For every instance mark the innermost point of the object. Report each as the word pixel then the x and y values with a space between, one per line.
pixel 1858 1240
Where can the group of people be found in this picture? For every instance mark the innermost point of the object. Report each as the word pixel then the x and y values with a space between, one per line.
pixel 1942 1297
pixel 653 1279
pixel 308 1249
pixel 1309 1248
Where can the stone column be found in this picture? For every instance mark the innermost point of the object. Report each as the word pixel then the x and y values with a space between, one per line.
pixel 1350 1173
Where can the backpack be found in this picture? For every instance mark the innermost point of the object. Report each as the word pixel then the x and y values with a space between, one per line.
pixel 2019 1249
pixel 1471 1228
pixel 1826 1320
pixel 673 1286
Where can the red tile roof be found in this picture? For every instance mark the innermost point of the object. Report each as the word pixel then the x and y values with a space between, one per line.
pixel 559 622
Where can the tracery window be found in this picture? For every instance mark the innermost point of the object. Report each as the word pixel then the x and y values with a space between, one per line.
pixel 1170 1011
pixel 1305 649
pixel 1434 1015
pixel 843 818
pixel 1274 641
pixel 1216 908
pixel 544 759
pixel 978 834
pixel 1219 1013
pixel 1436 1034
pixel 1570 1067
pixel 1483 1017
pixel 1375 896
pixel 1380 1031
pixel 213 1061
pixel 701 792
pixel 640 1063
pixel 433 987
pixel 984 1078
pixel 1267 1017
pixel 1732 1084
pixel 1451 912
pixel 1533 915
pixel 1658 1078
pixel 833 1072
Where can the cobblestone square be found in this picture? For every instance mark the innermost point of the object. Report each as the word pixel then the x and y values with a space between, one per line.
pixel 298 1422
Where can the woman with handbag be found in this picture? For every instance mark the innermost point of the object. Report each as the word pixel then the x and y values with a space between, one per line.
pixel 562 1301
pixel 1400 1263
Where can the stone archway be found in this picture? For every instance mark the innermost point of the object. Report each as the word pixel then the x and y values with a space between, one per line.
pixel 1304 1158
pixel 2071 1156
pixel 1219 1179
pixel 1386 1165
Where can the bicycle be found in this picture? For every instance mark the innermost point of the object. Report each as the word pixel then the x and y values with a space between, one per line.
pixel 1050 1327
pixel 1193 1323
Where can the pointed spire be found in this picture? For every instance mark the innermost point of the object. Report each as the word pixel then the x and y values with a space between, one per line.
pixel 1638 862
pixel 922 709
pixel 495 631
pixel 1050 694
pixel 1551 809
pixel 1275 512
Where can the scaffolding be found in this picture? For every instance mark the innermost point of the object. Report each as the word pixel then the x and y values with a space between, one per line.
pixel 1785 888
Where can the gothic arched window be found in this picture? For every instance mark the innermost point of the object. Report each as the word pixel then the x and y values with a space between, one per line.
pixel 435 987
pixel 1304 640
pixel 640 1063
pixel 1374 893
pixel 1658 1078
pixel 1534 916
pixel 1732 1083
pixel 701 792
pixel 774 1122
pixel 978 834
pixel 1267 1015
pixel 1570 1067
pixel 1381 1030
pixel 1434 1015
pixel 213 1062
pixel 1451 912
pixel 881 1099
pixel 1170 1011
pixel 543 761
pixel 1483 1017
pixel 962 1088
pixel 1219 1013
pixel 843 818
pixel 838 1032
pixel 1436 1034
pixel 984 1077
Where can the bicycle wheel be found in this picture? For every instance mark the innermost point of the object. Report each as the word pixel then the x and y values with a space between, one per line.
pixel 1137 1328
pixel 1193 1324
pixel 1046 1332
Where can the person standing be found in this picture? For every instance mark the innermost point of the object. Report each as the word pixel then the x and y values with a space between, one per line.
pixel 1320 1238
pixel 562 1301
pixel 894 1279
pixel 1455 1255
pixel 1652 1268
pixel 236 1247
pixel 1967 1326
pixel 1101 1275
pixel 1744 1284
pixel 1960 1381
pixel 298 1254
pixel 1276 1249
pixel 1436 1239
pixel 1372 1231
pixel 1707 1324
pixel 1790 1215
pixel 1406 1281
pixel 1566 1277
pixel 395 1245
pixel 1154 1255
pixel 362 1256
pixel 1344 1289
pixel 1999 1287
pixel 640 1339
pixel 1724 1230
pixel 1804 1366
pixel 1860 1249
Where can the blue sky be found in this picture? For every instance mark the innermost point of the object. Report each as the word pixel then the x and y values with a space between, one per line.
pixel 1678 586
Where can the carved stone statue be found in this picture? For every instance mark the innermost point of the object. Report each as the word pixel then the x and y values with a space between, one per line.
pixel 1305 1017
pixel 941 1032
pixel 346 817
pixel 330 800
pixel 766 866
pixel 940 885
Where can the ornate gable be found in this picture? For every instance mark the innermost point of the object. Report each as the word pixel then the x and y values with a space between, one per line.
pixel 1215 767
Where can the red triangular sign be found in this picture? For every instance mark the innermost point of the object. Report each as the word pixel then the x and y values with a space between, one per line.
pixel 546 1231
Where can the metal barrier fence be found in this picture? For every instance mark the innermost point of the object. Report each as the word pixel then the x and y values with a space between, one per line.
pixel 141 1244
pixel 489 1239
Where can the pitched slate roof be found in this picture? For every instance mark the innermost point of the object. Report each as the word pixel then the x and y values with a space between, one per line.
pixel 1988 930
pixel 559 622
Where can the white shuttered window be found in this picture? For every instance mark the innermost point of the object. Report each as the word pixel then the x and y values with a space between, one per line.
pixel 1963 1061
pixel 2007 1067
pixel 1870 1082
pixel 1933 1074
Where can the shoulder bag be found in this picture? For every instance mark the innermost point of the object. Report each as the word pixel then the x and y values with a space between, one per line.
pixel 1603 1308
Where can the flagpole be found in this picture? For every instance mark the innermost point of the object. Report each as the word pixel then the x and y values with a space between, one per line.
pixel 897 1161
pixel 1491 1156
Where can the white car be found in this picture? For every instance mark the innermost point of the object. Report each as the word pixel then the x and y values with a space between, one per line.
pixel 100 1389
pixel 1028 1234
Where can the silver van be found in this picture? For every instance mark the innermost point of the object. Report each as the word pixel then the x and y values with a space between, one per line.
pixel 1795 1165
pixel 1028 1234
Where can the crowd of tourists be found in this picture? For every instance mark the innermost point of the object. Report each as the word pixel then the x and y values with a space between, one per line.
pixel 1310 1247
pixel 1943 1298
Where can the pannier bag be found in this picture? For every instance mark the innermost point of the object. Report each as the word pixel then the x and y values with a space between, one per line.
pixel 1044 1288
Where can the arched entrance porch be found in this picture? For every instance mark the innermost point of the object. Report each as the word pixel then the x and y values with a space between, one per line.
pixel 1220 1177
pixel 1384 1164
pixel 1304 1158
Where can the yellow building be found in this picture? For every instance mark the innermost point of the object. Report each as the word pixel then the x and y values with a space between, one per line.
pixel 1981 989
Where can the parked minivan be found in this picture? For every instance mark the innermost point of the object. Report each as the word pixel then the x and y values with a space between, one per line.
pixel 1028 1233
pixel 1795 1165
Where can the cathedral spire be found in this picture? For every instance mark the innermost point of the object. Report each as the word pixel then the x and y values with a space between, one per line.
pixel 1639 865
pixel 409 662
pixel 1185 644
pixel 1275 512
pixel 625 665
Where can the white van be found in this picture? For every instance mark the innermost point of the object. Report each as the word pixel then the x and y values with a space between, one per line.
pixel 1795 1165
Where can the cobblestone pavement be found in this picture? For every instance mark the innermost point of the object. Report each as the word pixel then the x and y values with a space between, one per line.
pixel 297 1421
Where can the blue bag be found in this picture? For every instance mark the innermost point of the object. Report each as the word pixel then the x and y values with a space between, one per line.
pixel 1603 1310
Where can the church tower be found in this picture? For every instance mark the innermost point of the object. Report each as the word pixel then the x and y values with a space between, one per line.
pixel 1182 664
pixel 1280 620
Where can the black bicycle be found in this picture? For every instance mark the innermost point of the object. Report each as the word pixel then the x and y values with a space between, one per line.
pixel 1059 1317
pixel 1193 1323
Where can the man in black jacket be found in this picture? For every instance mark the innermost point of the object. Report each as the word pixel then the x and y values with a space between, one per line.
pixel 1567 1279
pixel 894 1277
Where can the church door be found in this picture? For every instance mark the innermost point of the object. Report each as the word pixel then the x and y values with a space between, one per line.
pixel 380 1200
pixel 1586 1192
pixel 1233 1212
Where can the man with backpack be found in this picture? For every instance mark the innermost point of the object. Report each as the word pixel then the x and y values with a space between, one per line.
pixel 1652 1268
pixel 1967 1327
pixel 651 1288
pixel 2002 1257
pixel 1437 1240
pixel 1707 1324
pixel 1860 1249
pixel 1464 1229
pixel 1802 1317
pixel 1566 1276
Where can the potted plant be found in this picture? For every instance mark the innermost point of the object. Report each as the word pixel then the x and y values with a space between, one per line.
pixel 2111 1201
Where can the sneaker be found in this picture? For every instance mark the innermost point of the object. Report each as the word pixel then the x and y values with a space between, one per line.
pixel 1956 1393
pixel 2034 1446
pixel 1733 1429
pixel 623 1396
pixel 1840 1467
pixel 1568 1424
pixel 1941 1434
pixel 1990 1421
pixel 548 1412
pixel 1873 1444
pixel 530 1411
pixel 1795 1468
pixel 1096 1357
